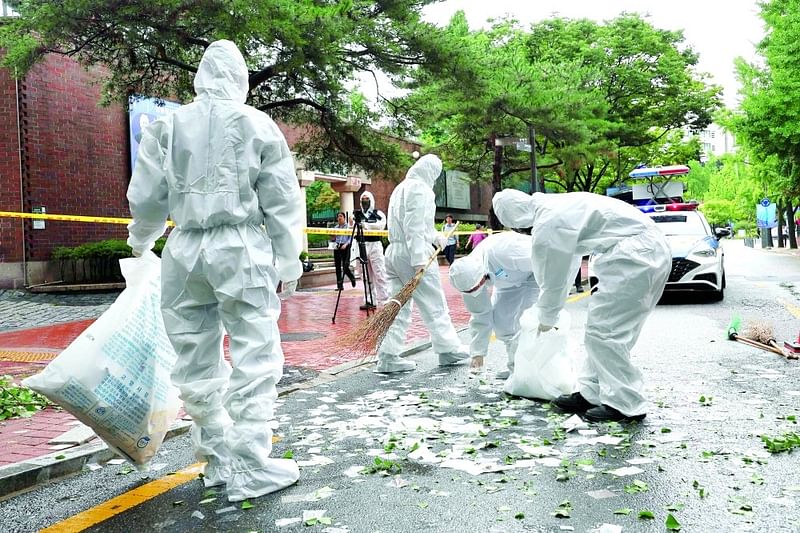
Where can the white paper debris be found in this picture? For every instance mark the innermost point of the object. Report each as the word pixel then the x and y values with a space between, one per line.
pixel 572 423
pixel 601 494
pixel 316 460
pixel 285 522
pixel 353 471
pixel 116 461
pixel 608 528
pixel 309 514
pixel 93 466
pixel 473 467
pixel 625 471
pixel 224 510
pixel 639 461
pixel 198 514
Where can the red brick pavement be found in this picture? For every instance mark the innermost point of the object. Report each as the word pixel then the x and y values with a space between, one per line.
pixel 307 312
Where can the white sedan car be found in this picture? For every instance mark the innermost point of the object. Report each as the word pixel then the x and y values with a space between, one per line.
pixel 698 260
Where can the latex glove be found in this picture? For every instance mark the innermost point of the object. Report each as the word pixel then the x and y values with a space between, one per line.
pixel 476 364
pixel 441 241
pixel 289 288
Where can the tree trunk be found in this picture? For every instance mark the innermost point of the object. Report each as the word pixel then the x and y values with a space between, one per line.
pixel 497 181
pixel 779 212
pixel 790 225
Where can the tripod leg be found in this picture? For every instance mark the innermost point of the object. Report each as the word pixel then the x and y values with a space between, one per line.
pixel 336 309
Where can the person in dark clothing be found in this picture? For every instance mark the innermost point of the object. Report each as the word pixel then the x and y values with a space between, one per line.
pixel 341 253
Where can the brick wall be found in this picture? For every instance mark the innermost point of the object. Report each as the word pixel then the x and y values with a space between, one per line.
pixel 10 228
pixel 75 155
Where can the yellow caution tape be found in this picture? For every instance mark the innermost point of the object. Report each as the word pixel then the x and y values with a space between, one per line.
pixel 116 220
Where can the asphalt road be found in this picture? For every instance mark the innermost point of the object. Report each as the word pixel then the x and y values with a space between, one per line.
pixel 697 457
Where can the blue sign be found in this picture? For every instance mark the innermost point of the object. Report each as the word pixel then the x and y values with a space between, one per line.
pixel 765 202
pixel 766 215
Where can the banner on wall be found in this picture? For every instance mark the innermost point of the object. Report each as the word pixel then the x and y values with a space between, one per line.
pixel 141 112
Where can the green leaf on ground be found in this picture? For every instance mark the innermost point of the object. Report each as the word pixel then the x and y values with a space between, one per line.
pixel 422 505
pixel 672 523
pixel 636 487
pixel 207 500
pixel 624 511
pixel 646 515
pixel 288 454
pixel 247 505
pixel 519 516
pixel 785 443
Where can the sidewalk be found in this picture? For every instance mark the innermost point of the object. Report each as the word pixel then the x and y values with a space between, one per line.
pixel 307 340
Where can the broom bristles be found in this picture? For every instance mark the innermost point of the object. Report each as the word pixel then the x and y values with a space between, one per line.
pixel 761 332
pixel 367 337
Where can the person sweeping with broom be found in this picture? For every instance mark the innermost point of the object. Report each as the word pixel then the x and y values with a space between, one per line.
pixel 412 238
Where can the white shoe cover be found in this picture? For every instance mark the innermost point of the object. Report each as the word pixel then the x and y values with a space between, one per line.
pixel 502 374
pixel 393 363
pixel 215 473
pixel 278 474
pixel 453 358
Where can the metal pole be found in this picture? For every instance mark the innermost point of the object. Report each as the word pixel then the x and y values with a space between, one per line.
pixel 535 187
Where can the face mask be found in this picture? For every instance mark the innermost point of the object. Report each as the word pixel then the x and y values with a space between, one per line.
pixel 365 205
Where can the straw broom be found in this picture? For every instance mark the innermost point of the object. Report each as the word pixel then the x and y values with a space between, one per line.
pixel 365 339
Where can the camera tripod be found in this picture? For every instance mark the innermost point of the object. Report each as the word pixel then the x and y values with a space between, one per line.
pixel 357 237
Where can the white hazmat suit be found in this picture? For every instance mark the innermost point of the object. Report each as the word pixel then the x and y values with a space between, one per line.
pixel 221 169
pixel 503 260
pixel 412 234
pixel 375 219
pixel 632 271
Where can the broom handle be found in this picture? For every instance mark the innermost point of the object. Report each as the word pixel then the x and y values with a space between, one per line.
pixel 435 253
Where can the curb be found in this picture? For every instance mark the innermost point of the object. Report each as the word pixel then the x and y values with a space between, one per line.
pixel 27 475
pixel 30 474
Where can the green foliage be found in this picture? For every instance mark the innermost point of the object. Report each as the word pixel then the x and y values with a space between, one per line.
pixel 303 57
pixel 785 443
pixel 601 96
pixel 383 466
pixel 110 249
pixel 320 196
pixel 18 401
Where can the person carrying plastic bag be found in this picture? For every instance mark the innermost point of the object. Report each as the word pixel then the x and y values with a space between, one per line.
pixel 631 272
pixel 115 377
pixel 503 261
pixel 221 169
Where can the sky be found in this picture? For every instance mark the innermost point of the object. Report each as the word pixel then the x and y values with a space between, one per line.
pixel 718 30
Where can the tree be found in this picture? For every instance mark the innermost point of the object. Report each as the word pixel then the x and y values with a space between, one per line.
pixel 600 96
pixel 304 56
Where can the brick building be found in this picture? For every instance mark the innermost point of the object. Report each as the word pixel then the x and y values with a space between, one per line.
pixel 63 153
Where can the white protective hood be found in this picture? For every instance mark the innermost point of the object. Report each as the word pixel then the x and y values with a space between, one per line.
pixel 427 169
pixel 222 73
pixel 513 208
pixel 368 194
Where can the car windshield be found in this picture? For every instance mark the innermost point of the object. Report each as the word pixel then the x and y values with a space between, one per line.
pixel 679 223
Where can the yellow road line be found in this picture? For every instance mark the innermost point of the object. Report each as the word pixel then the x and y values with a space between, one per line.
pixel 124 502
pixel 129 500
pixel 790 307
pixel 26 357
pixel 579 296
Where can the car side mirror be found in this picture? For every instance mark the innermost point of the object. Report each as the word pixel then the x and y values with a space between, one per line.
pixel 719 233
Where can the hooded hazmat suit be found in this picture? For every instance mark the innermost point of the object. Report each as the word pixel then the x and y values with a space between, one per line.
pixel 412 234
pixel 632 271
pixel 221 169
pixel 375 219
pixel 504 259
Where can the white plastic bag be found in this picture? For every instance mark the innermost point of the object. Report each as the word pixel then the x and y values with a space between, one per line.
pixel 115 377
pixel 543 368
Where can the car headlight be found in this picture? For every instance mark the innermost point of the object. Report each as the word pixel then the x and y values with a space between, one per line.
pixel 703 250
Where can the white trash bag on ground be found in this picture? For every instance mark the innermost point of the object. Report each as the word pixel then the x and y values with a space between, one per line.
pixel 543 368
pixel 115 377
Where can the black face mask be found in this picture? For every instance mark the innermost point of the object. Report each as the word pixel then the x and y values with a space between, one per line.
pixel 365 205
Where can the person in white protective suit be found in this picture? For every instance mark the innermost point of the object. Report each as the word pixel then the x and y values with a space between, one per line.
pixel 412 237
pixel 503 260
pixel 221 169
pixel 632 269
pixel 374 219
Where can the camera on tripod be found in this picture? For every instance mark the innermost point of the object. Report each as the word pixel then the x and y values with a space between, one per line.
pixel 359 216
